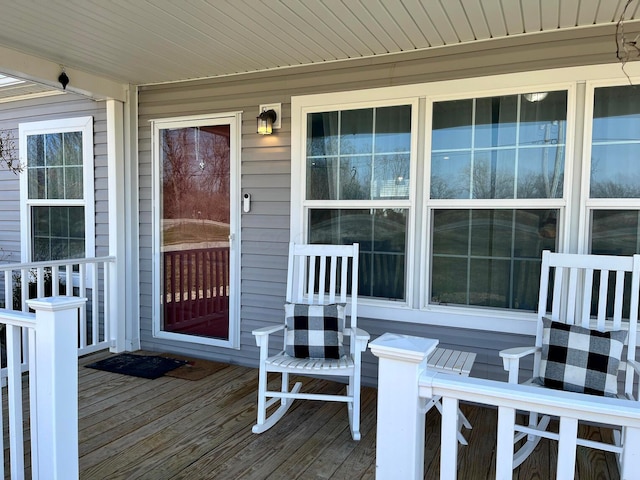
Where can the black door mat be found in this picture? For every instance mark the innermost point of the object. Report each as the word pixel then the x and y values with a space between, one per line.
pixel 144 366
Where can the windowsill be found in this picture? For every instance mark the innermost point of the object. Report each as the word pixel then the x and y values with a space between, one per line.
pixel 523 323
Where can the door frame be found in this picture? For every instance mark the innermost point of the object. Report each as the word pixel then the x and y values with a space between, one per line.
pixel 234 120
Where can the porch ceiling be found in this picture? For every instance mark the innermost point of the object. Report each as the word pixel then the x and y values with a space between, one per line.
pixel 163 40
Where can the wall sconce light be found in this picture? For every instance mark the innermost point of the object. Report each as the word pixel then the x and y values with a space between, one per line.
pixel 269 118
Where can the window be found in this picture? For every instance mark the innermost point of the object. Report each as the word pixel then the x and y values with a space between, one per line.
pixel 614 171
pixel 57 189
pixel 358 177
pixel 489 157
pixel 454 188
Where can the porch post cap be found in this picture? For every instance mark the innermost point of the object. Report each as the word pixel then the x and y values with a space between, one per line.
pixel 54 304
pixel 402 347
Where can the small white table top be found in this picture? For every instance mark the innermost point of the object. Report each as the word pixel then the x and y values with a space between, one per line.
pixel 451 361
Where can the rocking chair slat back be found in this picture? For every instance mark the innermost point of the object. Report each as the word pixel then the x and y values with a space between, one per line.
pixel 613 305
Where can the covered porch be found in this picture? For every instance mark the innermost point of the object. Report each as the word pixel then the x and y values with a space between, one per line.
pixel 133 428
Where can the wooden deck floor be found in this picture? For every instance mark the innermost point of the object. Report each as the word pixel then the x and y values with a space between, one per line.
pixel 169 428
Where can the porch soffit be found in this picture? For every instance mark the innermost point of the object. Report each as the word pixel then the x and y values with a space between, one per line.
pixel 162 41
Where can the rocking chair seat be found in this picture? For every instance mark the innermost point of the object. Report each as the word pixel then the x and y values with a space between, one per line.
pixel 312 364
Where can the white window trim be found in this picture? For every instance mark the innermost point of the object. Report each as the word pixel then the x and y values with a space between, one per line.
pixel 417 310
pixel 234 119
pixel 588 205
pixel 85 125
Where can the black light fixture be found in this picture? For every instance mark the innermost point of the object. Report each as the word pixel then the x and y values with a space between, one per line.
pixel 266 120
pixel 63 79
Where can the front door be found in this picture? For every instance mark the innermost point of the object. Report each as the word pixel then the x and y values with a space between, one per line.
pixel 196 230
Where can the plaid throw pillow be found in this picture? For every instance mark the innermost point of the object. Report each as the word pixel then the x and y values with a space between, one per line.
pixel 314 331
pixel 577 359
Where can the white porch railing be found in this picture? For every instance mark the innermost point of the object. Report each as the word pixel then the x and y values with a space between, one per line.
pixel 53 392
pixel 89 278
pixel 404 383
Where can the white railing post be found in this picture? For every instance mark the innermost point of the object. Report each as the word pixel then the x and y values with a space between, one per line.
pixel 56 389
pixel 401 418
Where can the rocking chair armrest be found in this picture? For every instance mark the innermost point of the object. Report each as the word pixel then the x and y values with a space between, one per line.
pixel 262 334
pixel 511 360
pixel 635 365
pixel 359 337
pixel 517 352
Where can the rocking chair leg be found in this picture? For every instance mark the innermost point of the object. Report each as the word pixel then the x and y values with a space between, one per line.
pixel 272 419
pixel 354 409
pixel 262 396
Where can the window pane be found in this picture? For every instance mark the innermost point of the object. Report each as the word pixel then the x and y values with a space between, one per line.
pixel 73 183
pixel 37 184
pixel 35 150
pixel 450 175
pixel 73 148
pixel 542 118
pixel 450 232
pixel 491 233
pixel 615 232
pixel 615 143
pixel 489 281
pixel 355 178
pixel 391 176
pixel 58 232
pixel 541 172
pixel 381 234
pixel 452 125
pixel 393 129
pixel 53 149
pixel 496 121
pixel 322 182
pixel 488 257
pixel 493 174
pixel 55 183
pixel 613 168
pixel 517 152
pixel 356 131
pixel 322 134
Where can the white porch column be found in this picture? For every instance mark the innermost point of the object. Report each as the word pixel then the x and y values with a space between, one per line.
pixel 56 374
pixel 400 424
pixel 118 285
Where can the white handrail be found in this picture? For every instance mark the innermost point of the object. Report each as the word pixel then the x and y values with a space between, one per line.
pixel 405 384
pixel 81 277
pixel 568 406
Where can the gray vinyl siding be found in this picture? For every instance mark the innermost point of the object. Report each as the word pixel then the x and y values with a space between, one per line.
pixel 266 171
pixel 41 109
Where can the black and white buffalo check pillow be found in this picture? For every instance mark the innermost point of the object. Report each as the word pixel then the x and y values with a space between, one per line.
pixel 577 359
pixel 314 331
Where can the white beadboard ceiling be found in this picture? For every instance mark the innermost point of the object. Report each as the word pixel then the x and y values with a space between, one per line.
pixel 154 41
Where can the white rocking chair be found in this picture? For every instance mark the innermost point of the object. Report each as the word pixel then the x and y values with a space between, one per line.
pixel 573 300
pixel 318 275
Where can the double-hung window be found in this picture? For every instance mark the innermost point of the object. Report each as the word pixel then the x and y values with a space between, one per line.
pixel 359 165
pixel 613 198
pixel 57 192
pixel 496 196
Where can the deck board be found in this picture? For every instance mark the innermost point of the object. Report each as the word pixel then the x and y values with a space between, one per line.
pixel 170 428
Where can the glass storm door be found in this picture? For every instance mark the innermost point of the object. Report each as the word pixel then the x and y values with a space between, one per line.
pixel 195 187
